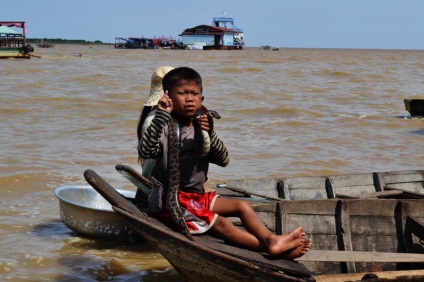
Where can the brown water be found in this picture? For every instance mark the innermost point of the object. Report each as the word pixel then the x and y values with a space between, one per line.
pixel 285 113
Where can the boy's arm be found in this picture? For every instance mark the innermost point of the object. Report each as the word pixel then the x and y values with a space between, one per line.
pixel 218 153
pixel 149 144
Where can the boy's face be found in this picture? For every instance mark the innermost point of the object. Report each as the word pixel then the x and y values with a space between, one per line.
pixel 187 98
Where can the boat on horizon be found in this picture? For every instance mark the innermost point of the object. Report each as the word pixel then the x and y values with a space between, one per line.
pixel 13 43
pixel 45 44
pixel 147 43
pixel 221 35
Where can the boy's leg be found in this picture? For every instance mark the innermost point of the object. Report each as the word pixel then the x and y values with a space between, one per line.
pixel 236 236
pixel 265 239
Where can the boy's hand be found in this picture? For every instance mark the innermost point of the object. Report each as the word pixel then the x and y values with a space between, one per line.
pixel 165 103
pixel 206 122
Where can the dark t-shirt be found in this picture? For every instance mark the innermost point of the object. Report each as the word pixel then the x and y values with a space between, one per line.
pixel 194 169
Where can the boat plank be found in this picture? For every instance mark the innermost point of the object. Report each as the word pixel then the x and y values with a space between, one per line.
pixel 402 176
pixel 381 194
pixel 408 180
pixel 355 256
pixel 352 180
pixel 311 207
pixel 302 188
pixel 350 186
pixel 263 186
pixel 403 275
pixel 368 226
pixel 407 194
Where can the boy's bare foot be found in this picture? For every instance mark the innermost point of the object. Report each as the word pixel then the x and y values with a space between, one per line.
pixel 278 244
pixel 297 252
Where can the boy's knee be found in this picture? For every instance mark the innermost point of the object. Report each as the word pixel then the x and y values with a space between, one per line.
pixel 222 223
pixel 245 205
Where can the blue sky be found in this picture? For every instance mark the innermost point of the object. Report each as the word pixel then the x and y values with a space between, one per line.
pixel 369 24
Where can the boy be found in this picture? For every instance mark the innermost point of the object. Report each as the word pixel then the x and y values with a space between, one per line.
pixel 204 211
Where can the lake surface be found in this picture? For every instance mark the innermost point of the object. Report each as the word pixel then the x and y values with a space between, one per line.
pixel 292 112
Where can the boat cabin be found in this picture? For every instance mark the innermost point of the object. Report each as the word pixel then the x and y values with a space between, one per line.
pixel 217 36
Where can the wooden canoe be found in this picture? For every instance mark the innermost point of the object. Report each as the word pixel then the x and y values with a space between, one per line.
pixel 205 259
pixel 415 107
pixel 407 184
pixel 350 237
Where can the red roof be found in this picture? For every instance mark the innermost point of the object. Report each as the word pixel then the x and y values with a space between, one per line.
pixel 207 30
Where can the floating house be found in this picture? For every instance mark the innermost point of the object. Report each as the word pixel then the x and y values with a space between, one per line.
pixel 221 35
pixel 12 42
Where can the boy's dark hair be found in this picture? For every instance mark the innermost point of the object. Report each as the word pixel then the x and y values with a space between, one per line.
pixel 178 74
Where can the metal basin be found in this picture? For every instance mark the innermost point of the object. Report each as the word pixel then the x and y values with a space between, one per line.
pixel 86 212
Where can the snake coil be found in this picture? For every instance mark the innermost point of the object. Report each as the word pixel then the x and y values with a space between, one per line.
pixel 174 177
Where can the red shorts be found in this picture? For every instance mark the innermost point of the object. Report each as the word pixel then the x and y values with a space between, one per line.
pixel 197 209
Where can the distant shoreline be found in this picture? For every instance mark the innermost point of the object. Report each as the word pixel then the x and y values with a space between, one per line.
pixel 65 41
pixel 260 48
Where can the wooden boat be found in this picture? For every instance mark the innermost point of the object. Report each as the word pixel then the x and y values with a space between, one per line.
pixel 87 213
pixel 415 107
pixel 45 44
pixel 351 237
pixel 12 43
pixel 407 184
pixel 206 258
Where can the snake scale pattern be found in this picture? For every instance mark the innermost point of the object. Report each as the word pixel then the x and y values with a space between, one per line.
pixel 202 142
pixel 174 174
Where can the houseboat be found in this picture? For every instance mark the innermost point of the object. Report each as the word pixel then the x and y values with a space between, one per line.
pixel 221 35
pixel 13 43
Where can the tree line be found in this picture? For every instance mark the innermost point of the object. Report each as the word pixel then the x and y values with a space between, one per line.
pixel 62 41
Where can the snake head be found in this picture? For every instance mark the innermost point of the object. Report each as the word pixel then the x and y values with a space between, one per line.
pixel 214 114
pixel 204 111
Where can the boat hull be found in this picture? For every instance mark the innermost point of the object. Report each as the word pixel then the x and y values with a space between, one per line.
pixel 415 107
pixel 198 263
pixel 13 53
